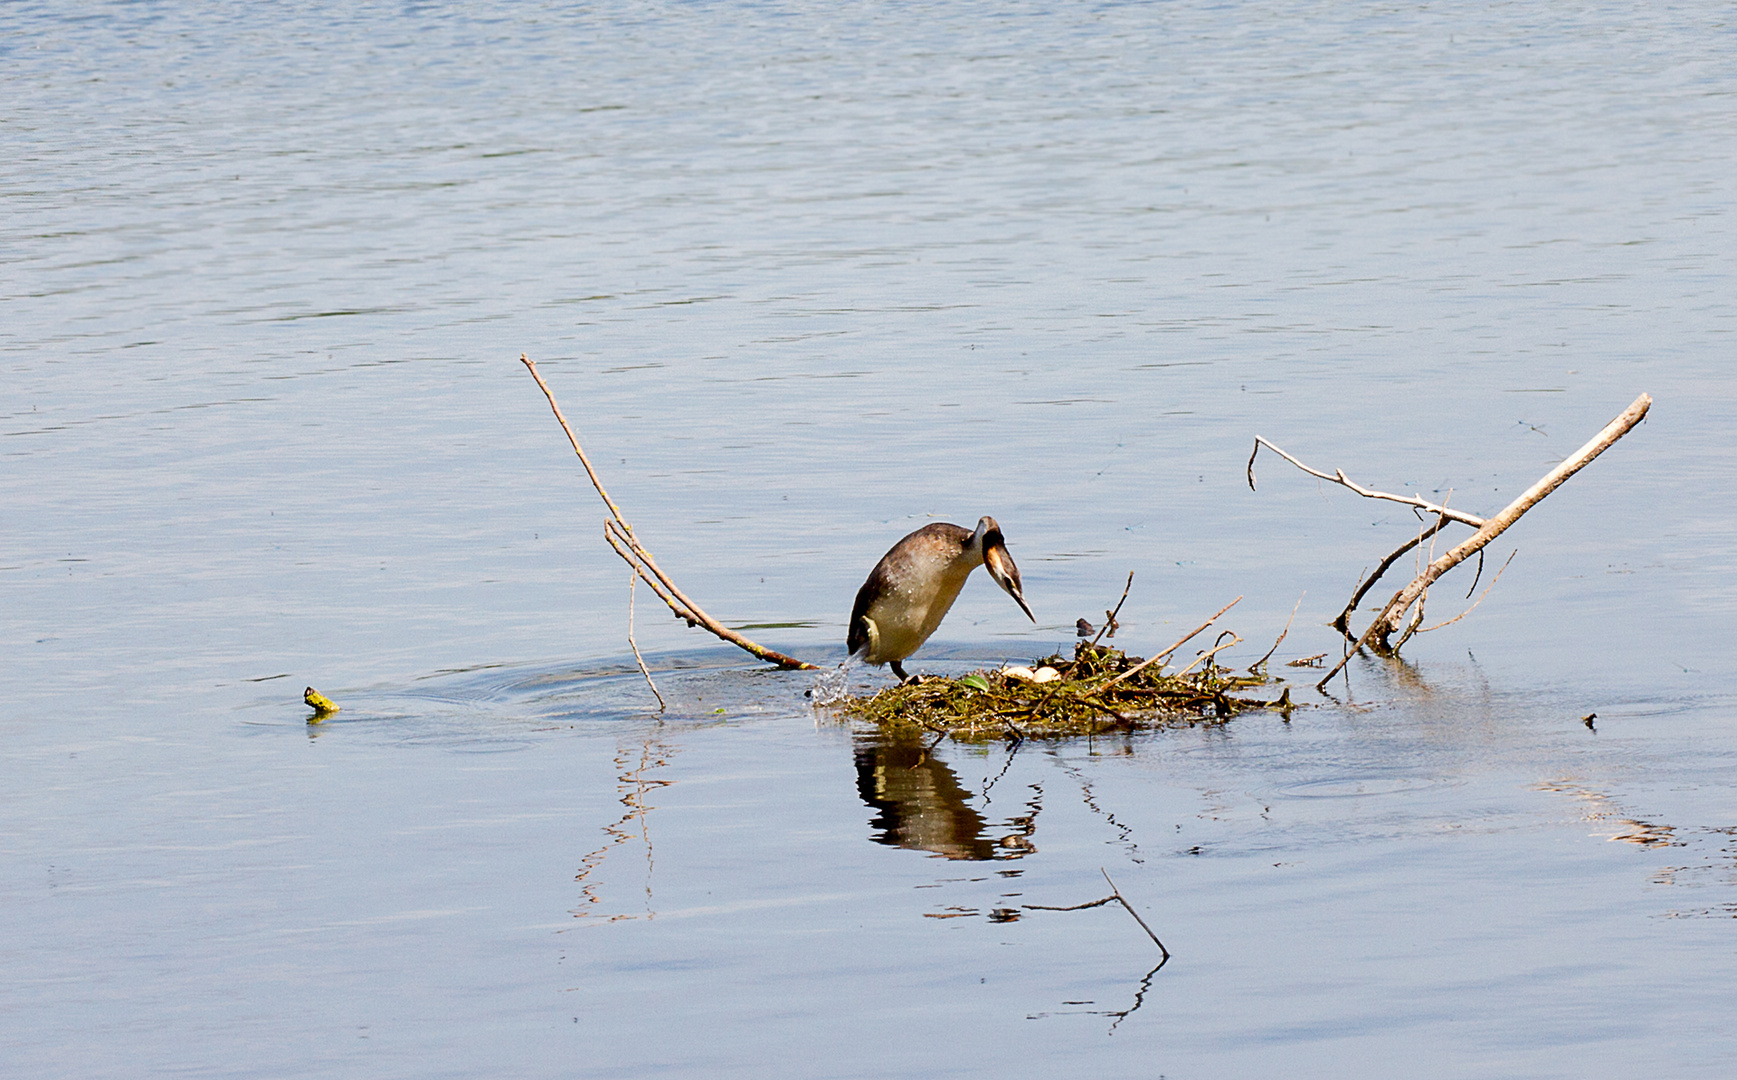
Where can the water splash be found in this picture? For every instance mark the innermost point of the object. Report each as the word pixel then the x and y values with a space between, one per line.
pixel 831 684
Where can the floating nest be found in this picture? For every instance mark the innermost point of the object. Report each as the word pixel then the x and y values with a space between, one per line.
pixel 1091 694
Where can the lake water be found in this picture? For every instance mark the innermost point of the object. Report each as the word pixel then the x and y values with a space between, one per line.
pixel 804 278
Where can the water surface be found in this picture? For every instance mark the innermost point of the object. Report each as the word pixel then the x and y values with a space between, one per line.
pixel 806 279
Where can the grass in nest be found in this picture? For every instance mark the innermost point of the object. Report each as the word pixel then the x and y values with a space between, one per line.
pixel 1087 699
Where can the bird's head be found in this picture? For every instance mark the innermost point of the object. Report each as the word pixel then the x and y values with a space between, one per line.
pixel 999 563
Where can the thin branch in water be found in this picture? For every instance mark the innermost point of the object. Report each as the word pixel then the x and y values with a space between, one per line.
pixel 1387 623
pixel 1210 653
pixel 1479 576
pixel 1422 561
pixel 1479 600
pixel 1116 894
pixel 1111 621
pixel 632 580
pixel 621 538
pixel 614 511
pixel 613 534
pixel 1070 907
pixel 1343 622
pixel 1255 667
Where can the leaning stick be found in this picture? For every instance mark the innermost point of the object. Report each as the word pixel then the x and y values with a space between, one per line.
pixel 1388 621
pixel 1119 898
pixel 640 559
pixel 1254 668
pixel 1115 897
pixel 1212 652
pixel 614 511
pixel 1165 655
pixel 1343 622
pixel 621 538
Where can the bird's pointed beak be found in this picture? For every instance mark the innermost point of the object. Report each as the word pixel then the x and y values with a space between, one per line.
pixel 1000 566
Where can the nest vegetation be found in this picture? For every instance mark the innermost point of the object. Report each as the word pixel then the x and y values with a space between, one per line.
pixel 1098 690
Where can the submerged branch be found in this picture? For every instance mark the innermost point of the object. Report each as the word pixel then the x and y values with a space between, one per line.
pixel 1115 897
pixel 1388 622
pixel 632 580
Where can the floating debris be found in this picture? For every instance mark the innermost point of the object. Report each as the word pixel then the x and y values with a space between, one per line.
pixel 322 705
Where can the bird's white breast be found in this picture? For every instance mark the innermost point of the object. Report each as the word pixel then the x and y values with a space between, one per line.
pixel 907 614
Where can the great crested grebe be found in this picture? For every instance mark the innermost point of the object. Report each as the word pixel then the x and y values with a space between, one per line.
pixel 909 591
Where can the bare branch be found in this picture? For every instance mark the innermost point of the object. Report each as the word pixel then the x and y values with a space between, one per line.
pixel 610 533
pixel 614 511
pixel 1165 655
pixel 1388 621
pixel 683 607
pixel 1117 894
pixel 620 536
pixel 632 580
pixel 1114 897
pixel 1111 621
pixel 1338 477
pixel 1479 600
pixel 1254 667
pixel 1210 653
pixel 1479 576
pixel 1343 622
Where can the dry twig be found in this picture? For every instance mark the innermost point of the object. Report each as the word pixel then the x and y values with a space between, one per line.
pixel 1110 616
pixel 621 538
pixel 1387 623
pixel 1479 600
pixel 1254 668
pixel 1338 477
pixel 1114 897
pixel 1210 653
pixel 632 580
pixel 1165 655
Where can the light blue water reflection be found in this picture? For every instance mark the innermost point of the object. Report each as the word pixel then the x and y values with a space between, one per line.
pixel 805 279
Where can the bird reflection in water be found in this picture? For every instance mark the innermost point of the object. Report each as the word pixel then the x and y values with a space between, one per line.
pixel 919 804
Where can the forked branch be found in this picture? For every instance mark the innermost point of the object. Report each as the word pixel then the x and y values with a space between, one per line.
pixel 1394 613
pixel 1338 477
